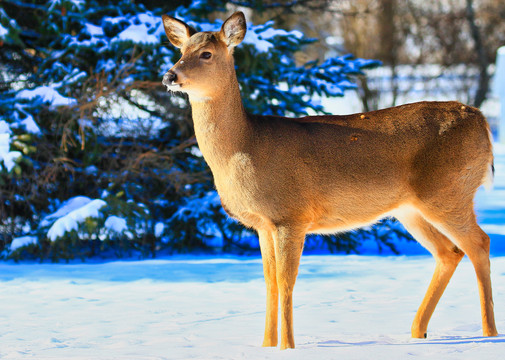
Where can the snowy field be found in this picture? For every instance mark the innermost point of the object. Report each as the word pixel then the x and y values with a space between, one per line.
pixel 346 307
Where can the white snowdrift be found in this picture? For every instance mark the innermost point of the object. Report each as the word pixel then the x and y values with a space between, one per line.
pixel 116 224
pixel 345 307
pixel 3 32
pixel 47 94
pixel 7 157
pixel 22 241
pixel 73 212
pixel 30 125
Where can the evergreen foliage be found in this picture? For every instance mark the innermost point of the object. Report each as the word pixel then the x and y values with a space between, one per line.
pixel 96 158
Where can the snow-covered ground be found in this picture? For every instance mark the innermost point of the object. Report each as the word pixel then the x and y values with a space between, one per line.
pixel 347 307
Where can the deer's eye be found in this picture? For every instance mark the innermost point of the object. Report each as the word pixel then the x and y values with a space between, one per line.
pixel 205 55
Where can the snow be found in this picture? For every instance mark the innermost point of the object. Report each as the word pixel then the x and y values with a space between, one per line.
pixel 106 66
pixel 76 3
pixel 47 94
pixel 195 208
pixel 97 39
pixel 498 89
pixel 261 45
pixel 270 33
pixel 4 143
pixel 92 169
pixel 24 120
pixel 71 214
pixel 257 35
pixel 116 224
pixel 138 34
pixel 3 31
pixel 9 158
pixel 159 227
pixel 66 208
pixel 344 307
pixel 113 20
pixel 144 28
pixel 22 241
pixel 94 30
pixel 6 156
pixel 30 125
pixel 4 127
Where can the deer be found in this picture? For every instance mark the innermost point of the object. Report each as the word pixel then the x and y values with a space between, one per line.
pixel 420 163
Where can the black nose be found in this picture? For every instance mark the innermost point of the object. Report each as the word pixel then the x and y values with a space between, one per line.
pixel 169 78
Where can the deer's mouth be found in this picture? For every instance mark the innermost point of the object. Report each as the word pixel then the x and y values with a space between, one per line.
pixel 171 85
pixel 174 87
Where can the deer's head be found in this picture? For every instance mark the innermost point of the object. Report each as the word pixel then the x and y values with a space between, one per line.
pixel 207 63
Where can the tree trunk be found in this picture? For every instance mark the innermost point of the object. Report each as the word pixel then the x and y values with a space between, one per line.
pixel 482 61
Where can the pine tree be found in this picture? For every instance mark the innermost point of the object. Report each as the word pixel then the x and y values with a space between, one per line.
pixel 96 157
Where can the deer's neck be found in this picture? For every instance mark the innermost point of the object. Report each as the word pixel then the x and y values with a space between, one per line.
pixel 221 125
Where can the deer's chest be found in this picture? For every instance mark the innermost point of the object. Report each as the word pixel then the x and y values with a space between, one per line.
pixel 237 185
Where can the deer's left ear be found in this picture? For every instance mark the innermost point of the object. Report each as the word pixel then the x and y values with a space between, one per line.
pixel 234 29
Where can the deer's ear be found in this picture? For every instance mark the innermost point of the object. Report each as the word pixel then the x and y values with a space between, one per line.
pixel 177 31
pixel 234 29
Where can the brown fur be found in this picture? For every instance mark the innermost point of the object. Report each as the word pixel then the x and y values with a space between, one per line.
pixel 421 163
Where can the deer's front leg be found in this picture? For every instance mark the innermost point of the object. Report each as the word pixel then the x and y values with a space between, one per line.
pixel 268 256
pixel 288 250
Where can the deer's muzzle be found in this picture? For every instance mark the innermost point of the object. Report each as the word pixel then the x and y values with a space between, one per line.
pixel 169 78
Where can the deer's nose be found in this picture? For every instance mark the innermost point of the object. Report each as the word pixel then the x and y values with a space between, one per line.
pixel 169 78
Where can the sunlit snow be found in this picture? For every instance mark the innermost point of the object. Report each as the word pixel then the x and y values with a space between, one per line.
pixel 116 224
pixel 22 241
pixel 47 94
pixel 7 157
pixel 158 229
pixel 71 214
pixel 345 307
pixel 3 31
pixel 30 125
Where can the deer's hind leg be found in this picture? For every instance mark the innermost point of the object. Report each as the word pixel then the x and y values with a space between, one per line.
pixel 462 228
pixel 447 257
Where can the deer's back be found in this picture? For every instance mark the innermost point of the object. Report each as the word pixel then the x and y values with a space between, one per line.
pixel 419 137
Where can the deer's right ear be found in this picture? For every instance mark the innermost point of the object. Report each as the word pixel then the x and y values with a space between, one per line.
pixel 177 31
pixel 234 29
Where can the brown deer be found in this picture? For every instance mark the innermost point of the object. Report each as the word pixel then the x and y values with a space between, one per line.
pixel 420 163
